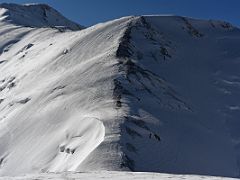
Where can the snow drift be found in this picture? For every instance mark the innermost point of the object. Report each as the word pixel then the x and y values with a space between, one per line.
pixel 147 93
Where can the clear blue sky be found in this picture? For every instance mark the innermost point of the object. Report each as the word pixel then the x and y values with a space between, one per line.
pixel 89 12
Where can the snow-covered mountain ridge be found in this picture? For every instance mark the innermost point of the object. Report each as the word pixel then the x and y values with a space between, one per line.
pixel 34 15
pixel 147 93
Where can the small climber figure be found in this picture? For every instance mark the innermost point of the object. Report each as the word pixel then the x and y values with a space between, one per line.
pixel 165 53
pixel 150 135
pixel 61 148
pixel 67 150
pixel 72 151
pixel 157 137
pixel 65 51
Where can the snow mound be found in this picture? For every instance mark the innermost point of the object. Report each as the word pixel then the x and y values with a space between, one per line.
pixel 35 15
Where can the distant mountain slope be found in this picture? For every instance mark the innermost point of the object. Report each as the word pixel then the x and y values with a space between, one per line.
pixel 35 15
pixel 147 93
pixel 181 86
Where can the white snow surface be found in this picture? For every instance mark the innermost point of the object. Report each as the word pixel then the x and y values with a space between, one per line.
pixel 35 15
pixel 147 93
pixel 112 175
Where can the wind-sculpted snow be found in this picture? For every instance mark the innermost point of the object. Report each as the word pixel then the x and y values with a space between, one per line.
pixel 149 93
pixel 79 143
pixel 56 99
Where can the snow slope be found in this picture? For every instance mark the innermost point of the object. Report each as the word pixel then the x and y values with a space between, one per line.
pixel 148 93
pixel 112 175
pixel 184 75
pixel 40 15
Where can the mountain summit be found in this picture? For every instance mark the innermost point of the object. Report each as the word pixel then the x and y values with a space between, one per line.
pixel 144 93
pixel 35 15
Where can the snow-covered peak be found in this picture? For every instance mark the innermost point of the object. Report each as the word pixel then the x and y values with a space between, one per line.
pixel 34 15
pixel 147 93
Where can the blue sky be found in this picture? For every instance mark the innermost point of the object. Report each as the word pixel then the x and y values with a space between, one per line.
pixel 89 12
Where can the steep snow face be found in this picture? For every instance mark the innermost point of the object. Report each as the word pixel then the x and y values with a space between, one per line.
pixel 182 86
pixel 35 15
pixel 153 93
